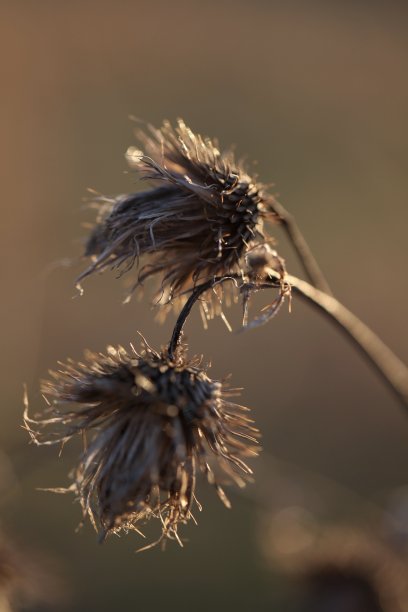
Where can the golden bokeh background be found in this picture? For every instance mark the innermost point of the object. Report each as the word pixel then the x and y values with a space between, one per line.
pixel 317 94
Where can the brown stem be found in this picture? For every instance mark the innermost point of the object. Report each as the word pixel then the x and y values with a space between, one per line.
pixel 393 371
pixel 185 311
pixel 309 263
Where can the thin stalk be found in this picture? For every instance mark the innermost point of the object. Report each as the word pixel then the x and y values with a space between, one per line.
pixel 185 311
pixel 307 259
pixel 391 369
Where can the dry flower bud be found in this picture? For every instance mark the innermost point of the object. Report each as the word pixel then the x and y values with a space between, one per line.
pixel 261 259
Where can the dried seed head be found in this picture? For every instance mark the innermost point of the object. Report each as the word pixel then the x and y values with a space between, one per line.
pixel 337 567
pixel 27 579
pixel 350 571
pixel 152 424
pixel 200 218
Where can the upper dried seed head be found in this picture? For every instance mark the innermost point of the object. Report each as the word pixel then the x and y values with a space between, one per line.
pixel 198 220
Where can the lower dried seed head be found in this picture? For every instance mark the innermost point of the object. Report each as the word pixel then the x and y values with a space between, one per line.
pixel 152 423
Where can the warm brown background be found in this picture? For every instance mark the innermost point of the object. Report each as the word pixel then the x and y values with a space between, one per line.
pixel 317 92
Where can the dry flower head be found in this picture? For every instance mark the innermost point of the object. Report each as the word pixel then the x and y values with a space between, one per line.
pixel 152 424
pixel 337 567
pixel 199 219
pixel 27 579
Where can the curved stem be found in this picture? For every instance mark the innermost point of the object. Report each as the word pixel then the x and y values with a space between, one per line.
pixel 393 371
pixel 309 263
pixel 390 368
pixel 185 311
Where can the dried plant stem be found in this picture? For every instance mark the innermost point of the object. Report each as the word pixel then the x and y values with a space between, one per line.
pixel 308 261
pixel 185 311
pixel 390 368
pixel 393 371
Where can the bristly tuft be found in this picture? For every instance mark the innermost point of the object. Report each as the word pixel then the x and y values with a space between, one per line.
pixel 152 424
pixel 199 219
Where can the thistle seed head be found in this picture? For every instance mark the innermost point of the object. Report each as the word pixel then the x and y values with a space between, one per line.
pixel 152 424
pixel 202 214
pixel 336 567
pixel 351 571
pixel 27 579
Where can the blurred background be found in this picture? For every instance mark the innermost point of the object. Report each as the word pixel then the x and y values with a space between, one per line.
pixel 316 93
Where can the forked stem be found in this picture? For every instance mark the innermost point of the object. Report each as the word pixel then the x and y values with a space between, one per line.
pixel 390 368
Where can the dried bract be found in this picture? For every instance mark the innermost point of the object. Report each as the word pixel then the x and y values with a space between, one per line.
pixel 152 424
pixel 197 222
